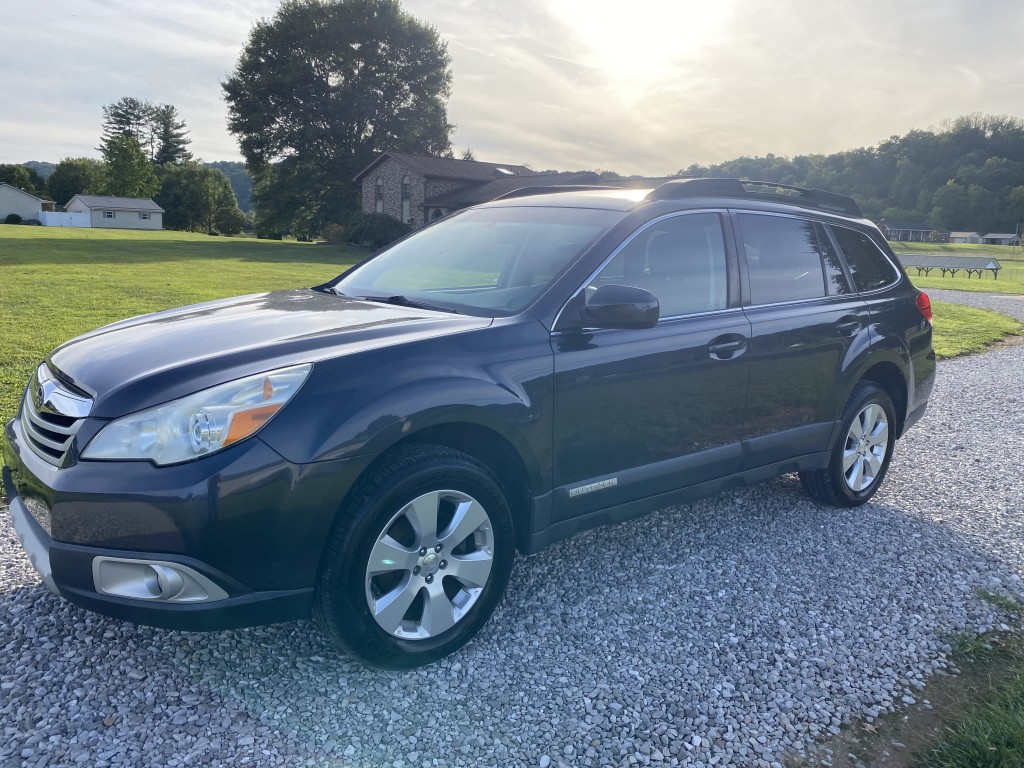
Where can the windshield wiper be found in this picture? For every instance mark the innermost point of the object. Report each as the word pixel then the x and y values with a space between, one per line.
pixel 405 301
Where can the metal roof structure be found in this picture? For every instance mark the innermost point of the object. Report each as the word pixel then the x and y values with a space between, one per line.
pixel 925 263
pixel 949 262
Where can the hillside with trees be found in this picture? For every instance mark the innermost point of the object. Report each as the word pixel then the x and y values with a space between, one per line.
pixel 966 175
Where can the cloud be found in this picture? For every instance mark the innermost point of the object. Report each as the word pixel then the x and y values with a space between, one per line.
pixel 648 86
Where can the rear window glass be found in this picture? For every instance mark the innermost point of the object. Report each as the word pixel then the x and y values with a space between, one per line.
pixel 784 259
pixel 870 268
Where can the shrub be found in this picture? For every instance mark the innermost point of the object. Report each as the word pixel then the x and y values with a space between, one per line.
pixel 12 218
pixel 333 233
pixel 374 229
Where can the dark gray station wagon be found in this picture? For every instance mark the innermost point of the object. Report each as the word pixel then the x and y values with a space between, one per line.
pixel 374 450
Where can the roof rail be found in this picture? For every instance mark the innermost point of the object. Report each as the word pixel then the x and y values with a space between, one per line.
pixel 757 190
pixel 551 189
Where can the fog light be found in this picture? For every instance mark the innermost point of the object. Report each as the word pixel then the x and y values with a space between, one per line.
pixel 153 581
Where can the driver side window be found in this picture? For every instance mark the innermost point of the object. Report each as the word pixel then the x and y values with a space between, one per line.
pixel 681 260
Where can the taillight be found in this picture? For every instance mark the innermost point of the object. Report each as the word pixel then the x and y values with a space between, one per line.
pixel 924 306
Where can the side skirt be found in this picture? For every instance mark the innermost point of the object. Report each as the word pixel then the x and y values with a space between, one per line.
pixel 539 539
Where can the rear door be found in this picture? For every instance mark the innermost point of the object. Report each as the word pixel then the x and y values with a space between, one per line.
pixel 806 324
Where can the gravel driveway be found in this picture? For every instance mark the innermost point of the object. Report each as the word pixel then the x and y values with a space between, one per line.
pixel 725 632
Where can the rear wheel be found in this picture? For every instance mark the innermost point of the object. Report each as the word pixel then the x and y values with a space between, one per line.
pixel 861 456
pixel 418 560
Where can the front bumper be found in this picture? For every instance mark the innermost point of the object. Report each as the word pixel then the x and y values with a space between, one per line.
pixel 246 522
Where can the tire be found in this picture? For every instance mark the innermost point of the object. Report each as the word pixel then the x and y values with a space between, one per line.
pixel 418 559
pixel 862 453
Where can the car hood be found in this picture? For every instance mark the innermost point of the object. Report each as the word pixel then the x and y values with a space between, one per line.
pixel 148 360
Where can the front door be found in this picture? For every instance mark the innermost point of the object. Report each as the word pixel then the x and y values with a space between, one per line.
pixel 643 412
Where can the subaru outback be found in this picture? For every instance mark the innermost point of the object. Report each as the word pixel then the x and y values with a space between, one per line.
pixel 373 451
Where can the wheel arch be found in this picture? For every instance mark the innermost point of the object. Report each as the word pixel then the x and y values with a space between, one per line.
pixel 499 455
pixel 488 446
pixel 889 377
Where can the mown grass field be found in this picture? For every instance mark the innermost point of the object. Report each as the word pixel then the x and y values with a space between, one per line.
pixel 57 283
pixel 1010 280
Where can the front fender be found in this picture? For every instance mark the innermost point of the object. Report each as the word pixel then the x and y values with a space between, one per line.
pixel 499 379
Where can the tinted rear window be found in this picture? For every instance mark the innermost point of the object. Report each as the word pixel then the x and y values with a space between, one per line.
pixel 870 268
pixel 786 261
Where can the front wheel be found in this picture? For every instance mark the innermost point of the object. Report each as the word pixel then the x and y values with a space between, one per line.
pixel 418 560
pixel 861 456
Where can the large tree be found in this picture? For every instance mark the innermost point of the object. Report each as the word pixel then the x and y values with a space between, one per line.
pixel 127 116
pixel 323 86
pixel 198 199
pixel 127 171
pixel 171 136
pixel 21 177
pixel 75 176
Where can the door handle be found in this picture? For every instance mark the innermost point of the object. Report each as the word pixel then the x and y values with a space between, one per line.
pixel 848 326
pixel 727 348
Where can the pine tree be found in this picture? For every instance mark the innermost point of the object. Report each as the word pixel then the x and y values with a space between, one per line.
pixel 127 116
pixel 158 128
pixel 171 136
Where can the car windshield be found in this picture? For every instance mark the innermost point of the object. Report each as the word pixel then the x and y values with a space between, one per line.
pixel 487 261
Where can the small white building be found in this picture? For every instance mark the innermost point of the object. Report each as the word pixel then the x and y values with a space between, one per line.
pixel 118 212
pixel 13 200
pixel 973 238
pixel 1002 238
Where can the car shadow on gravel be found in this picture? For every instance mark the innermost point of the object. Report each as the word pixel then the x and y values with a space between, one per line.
pixel 746 626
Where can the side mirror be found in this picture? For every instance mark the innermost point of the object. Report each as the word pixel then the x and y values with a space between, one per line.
pixel 621 306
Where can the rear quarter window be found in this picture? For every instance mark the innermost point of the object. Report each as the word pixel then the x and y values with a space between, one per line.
pixel 870 268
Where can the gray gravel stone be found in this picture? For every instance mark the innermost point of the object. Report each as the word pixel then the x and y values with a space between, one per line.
pixel 728 632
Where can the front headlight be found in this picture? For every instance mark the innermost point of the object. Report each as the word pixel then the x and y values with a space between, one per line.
pixel 199 424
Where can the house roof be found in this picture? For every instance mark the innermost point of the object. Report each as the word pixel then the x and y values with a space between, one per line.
pixel 917 226
pixel 449 167
pixel 481 193
pixel 965 234
pixel 20 191
pixel 117 203
pixel 1001 236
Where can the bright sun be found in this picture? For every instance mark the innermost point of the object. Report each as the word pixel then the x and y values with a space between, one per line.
pixel 639 40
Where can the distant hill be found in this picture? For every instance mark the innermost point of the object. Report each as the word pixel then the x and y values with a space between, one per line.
pixel 44 169
pixel 239 178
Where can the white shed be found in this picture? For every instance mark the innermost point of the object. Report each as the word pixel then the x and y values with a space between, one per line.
pixel 965 237
pixel 118 212
pixel 13 200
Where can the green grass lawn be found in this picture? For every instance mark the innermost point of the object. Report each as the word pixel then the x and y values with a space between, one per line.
pixel 56 283
pixel 961 330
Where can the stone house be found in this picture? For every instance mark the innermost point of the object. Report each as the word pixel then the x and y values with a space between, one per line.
pixel 417 189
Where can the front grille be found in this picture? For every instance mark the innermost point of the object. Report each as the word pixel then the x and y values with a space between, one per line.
pixel 48 429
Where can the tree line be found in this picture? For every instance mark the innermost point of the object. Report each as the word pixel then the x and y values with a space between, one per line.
pixel 966 175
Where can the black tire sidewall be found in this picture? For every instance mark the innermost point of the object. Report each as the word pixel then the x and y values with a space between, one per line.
pixel 345 591
pixel 864 395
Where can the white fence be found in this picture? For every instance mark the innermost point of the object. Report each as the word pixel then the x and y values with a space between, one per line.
pixel 53 219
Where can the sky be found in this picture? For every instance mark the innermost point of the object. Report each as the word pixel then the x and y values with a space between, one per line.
pixel 638 86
